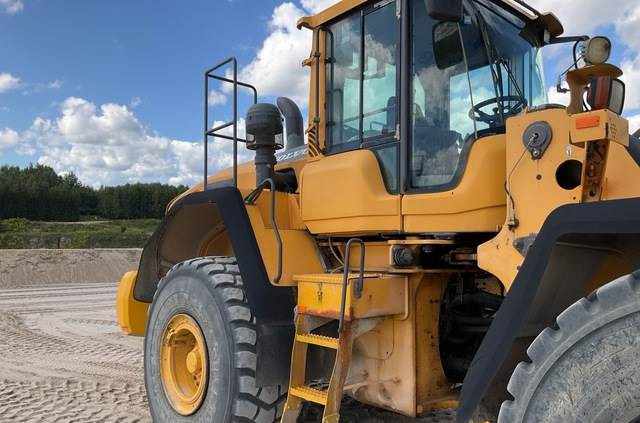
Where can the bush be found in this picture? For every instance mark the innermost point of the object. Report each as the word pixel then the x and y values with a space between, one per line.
pixel 19 224
pixel 111 234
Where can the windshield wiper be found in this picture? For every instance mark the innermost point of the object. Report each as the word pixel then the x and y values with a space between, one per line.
pixel 497 61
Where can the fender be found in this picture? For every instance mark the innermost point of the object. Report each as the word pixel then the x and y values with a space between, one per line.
pixel 272 306
pixel 544 287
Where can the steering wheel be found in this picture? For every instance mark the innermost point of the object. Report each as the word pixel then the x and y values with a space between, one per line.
pixel 511 106
pixel 350 134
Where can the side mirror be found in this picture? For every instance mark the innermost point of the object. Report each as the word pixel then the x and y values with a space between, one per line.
pixel 606 92
pixel 445 10
pixel 447 45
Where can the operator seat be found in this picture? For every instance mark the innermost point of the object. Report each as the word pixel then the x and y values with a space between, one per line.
pixel 440 151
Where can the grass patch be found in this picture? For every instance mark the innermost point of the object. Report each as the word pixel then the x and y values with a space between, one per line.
pixel 24 234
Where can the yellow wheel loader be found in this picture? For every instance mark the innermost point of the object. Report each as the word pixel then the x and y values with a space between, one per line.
pixel 439 236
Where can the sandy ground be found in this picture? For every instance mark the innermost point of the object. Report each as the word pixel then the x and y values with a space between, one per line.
pixel 63 358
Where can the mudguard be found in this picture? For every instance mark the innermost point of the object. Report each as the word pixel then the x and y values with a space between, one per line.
pixel 543 288
pixel 272 306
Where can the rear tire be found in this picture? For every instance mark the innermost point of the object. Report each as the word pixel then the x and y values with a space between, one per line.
pixel 586 370
pixel 210 291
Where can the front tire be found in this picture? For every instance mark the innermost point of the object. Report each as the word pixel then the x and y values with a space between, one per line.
pixel 205 294
pixel 586 370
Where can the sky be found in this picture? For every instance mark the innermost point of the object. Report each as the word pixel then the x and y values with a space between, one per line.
pixel 113 90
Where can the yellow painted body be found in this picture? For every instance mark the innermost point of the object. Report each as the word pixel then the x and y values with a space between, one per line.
pixel 382 295
pixel 533 185
pixel 300 253
pixel 395 364
pixel 130 313
pixel 476 204
pixel 345 193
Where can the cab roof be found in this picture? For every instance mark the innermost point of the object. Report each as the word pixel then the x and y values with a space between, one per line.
pixel 518 7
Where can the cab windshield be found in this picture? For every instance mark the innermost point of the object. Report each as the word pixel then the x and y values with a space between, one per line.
pixel 468 78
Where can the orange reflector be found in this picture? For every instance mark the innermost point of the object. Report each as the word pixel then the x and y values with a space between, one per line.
pixel 587 122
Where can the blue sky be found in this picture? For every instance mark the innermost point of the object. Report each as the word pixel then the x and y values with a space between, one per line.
pixel 112 90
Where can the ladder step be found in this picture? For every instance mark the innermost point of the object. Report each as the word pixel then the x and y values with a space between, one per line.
pixel 309 394
pixel 322 341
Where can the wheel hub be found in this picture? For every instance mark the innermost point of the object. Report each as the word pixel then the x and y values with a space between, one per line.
pixel 184 365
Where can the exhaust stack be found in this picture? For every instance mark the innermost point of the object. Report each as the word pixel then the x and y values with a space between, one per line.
pixel 293 122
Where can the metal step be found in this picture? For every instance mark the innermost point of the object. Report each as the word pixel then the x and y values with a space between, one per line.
pixel 319 340
pixel 309 394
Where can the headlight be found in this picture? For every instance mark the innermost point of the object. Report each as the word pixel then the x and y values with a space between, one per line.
pixel 597 50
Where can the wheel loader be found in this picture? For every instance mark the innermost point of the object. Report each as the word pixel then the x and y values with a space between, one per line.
pixel 437 235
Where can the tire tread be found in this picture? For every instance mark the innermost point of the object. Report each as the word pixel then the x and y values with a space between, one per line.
pixel 251 403
pixel 579 318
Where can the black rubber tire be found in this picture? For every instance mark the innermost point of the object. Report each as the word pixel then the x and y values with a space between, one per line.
pixel 587 369
pixel 210 290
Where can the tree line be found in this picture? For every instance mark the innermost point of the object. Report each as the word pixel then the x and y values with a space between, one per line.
pixel 37 192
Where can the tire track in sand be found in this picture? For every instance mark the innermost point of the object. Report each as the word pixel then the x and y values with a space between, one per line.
pixel 64 359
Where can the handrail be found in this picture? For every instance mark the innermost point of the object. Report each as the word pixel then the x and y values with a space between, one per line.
pixel 317 54
pixel 241 84
pixel 209 73
pixel 345 277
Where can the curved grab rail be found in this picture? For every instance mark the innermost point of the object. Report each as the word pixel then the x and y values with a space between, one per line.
pixel 345 277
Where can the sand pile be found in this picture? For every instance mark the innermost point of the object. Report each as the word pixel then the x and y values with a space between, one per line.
pixel 23 268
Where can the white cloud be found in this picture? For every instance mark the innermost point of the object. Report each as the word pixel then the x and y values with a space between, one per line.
pixel 25 149
pixel 315 6
pixel 558 98
pixel 8 138
pixel 55 85
pixel 216 98
pixel 631 77
pixel 627 27
pixel 135 102
pixel 8 82
pixel 588 18
pixel 107 145
pixel 277 69
pixel 11 6
pixel 584 16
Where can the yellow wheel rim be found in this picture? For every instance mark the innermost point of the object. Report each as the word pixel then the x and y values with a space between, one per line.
pixel 184 365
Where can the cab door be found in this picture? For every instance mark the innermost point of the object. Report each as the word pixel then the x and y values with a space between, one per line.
pixel 354 187
pixel 456 167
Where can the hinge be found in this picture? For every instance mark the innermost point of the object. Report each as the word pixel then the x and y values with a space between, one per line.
pixel 398 9
pixel 398 132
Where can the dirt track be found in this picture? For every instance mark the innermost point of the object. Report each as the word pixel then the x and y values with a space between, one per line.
pixel 62 357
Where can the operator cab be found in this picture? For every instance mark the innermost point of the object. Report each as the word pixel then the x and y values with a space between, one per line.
pixel 465 79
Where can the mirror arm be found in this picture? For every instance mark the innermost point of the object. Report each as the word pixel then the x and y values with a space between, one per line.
pixel 563 40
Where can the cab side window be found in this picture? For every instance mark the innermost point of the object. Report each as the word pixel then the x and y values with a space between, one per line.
pixel 343 83
pixel 362 85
